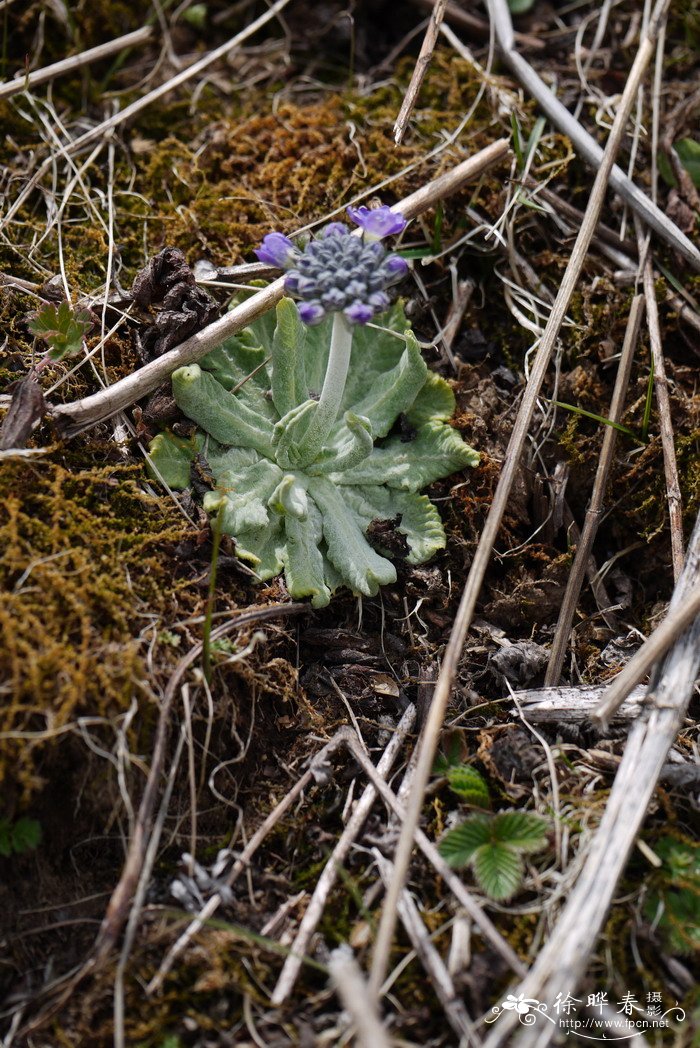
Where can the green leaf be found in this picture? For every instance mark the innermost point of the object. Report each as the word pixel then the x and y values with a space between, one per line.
pixel 170 458
pixel 348 549
pixel 419 520
pixel 468 784
pixel 436 401
pixel 498 870
pixel 520 7
pixel 351 446
pixel 688 152
pixel 288 371
pixel 247 499
pixel 436 451
pixel 304 564
pixel 459 845
pixel 395 391
pixel 524 831
pixel 63 329
pixel 219 413
pixel 26 835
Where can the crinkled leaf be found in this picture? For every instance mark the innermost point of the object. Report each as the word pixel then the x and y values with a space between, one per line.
pixel 459 845
pixel 436 401
pixel 522 830
pixel 419 519
pixel 468 784
pixel 288 370
pixel 219 413
pixel 436 451
pixel 239 366
pixel 351 446
pixel 304 562
pixel 289 499
pixel 362 568
pixel 62 327
pixel 394 391
pixel 498 870
pixel 246 505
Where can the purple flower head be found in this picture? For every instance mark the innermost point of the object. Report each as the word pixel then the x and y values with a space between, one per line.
pixel 277 250
pixel 377 223
pixel 311 312
pixel 338 273
pixel 334 229
pixel 359 313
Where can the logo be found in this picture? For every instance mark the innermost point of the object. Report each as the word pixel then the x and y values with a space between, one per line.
pixel 596 1019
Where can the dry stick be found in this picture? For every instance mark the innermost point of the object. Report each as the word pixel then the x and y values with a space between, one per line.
pixel 118 906
pixel 350 984
pixel 90 410
pixel 653 648
pixel 483 922
pixel 107 126
pixel 562 962
pixel 673 490
pixel 326 881
pixel 431 960
pixel 584 143
pixel 595 509
pixel 25 81
pixel 421 68
pixel 570 704
pixel 316 765
pixel 482 556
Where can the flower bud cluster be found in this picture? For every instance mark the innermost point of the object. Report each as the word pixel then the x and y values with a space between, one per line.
pixel 337 272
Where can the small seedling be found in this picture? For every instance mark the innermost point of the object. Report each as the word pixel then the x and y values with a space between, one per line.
pixel 19 837
pixel 63 327
pixel 494 846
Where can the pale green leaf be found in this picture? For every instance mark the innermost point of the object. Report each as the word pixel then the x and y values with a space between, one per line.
pixel 219 413
pixel 498 870
pixel 26 835
pixel 348 550
pixel 436 451
pixel 435 401
pixel 169 460
pixel 394 391
pixel 304 562
pixel 352 445
pixel 288 370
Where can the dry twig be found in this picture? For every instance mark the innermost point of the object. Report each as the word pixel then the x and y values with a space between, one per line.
pixel 595 508
pixel 562 962
pixel 421 67
pixel 584 143
pixel 24 81
pixel 433 724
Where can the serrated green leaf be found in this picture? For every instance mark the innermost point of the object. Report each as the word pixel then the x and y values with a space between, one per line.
pixel 468 784
pixel 348 549
pixel 498 870
pixel 436 451
pixel 62 328
pixel 26 835
pixel 459 845
pixel 522 830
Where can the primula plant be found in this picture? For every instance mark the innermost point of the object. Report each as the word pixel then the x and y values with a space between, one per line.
pixel 317 427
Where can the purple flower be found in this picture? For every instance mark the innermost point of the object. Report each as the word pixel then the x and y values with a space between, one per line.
pixel 334 229
pixel 377 223
pixel 311 312
pixel 277 250
pixel 358 313
pixel 395 268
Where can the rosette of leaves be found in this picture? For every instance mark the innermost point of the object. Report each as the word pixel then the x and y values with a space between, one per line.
pixel 298 507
